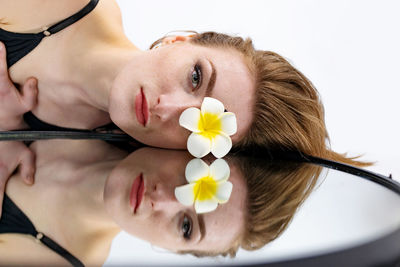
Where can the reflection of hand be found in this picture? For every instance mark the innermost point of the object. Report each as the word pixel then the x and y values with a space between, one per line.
pixel 13 103
pixel 12 155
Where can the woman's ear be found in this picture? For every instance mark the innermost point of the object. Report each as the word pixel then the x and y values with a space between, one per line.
pixel 176 38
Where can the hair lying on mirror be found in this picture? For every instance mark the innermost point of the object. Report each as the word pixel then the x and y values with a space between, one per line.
pixel 288 113
pixel 275 191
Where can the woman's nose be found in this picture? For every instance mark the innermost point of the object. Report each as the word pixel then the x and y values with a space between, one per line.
pixel 163 198
pixel 170 107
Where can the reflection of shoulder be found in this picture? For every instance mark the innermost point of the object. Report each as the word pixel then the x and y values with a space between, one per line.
pixel 32 15
pixel 23 250
pixel 82 152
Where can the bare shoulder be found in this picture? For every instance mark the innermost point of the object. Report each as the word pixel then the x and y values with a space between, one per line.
pixel 31 15
pixel 79 151
pixel 24 250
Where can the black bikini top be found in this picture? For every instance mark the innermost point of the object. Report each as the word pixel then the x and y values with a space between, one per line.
pixel 19 45
pixel 13 220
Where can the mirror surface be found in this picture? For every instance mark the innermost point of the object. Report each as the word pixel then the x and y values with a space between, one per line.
pixel 342 210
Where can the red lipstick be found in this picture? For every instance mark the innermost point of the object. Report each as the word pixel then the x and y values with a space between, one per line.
pixel 141 108
pixel 136 195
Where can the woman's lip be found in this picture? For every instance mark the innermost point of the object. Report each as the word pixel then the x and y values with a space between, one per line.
pixel 145 109
pixel 141 108
pixel 136 194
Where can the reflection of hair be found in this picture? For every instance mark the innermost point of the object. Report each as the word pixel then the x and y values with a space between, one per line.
pixel 288 113
pixel 275 190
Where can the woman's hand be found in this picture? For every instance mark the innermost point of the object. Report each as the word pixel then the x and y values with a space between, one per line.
pixel 15 155
pixel 14 103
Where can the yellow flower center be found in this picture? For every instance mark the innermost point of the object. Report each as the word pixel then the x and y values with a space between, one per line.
pixel 205 188
pixel 209 125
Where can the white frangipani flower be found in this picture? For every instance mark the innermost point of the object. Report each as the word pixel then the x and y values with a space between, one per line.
pixel 208 185
pixel 211 128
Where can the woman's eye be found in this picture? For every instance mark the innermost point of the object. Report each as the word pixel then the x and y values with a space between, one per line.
pixel 196 77
pixel 186 227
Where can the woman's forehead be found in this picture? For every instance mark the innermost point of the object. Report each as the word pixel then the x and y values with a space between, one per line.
pixel 225 224
pixel 234 87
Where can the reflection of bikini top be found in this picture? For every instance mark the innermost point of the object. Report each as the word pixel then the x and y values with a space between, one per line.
pixel 13 220
pixel 19 45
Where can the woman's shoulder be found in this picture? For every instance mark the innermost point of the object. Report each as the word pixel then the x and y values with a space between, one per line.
pixel 32 15
pixel 24 250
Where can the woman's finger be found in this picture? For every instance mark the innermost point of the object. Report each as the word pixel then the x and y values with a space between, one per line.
pixel 3 180
pixel 29 94
pixel 13 102
pixel 27 166
pixel 3 63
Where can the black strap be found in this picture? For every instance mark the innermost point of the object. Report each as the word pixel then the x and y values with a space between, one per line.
pixel 14 220
pixel 72 19
pixel 60 250
pixel 19 45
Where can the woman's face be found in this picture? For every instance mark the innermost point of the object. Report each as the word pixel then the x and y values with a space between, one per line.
pixel 152 91
pixel 160 218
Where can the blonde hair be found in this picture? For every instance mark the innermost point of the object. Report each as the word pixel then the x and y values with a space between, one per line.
pixel 288 113
pixel 275 192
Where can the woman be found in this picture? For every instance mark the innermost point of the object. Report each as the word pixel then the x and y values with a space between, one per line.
pixel 143 92
pixel 90 74
pixel 81 200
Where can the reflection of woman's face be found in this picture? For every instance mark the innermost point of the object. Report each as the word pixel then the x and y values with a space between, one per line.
pixel 160 218
pixel 151 92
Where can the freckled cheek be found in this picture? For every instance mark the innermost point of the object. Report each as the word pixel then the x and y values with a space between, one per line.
pixel 175 133
pixel 180 140
pixel 155 230
pixel 146 232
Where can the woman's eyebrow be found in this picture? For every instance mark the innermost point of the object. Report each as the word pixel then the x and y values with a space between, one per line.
pixel 211 81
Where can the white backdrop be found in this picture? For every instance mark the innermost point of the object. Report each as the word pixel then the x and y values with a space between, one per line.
pixel 348 49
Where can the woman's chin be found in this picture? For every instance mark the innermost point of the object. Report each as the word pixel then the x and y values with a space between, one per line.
pixel 164 142
pixel 146 135
pixel 120 119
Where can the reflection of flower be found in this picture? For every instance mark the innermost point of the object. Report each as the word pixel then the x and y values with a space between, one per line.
pixel 211 128
pixel 208 185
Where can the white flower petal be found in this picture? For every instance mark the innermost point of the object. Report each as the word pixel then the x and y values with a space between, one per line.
pixel 189 119
pixel 219 170
pixel 198 145
pixel 221 145
pixel 184 194
pixel 196 169
pixel 228 123
pixel 205 206
pixel 212 105
pixel 224 192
